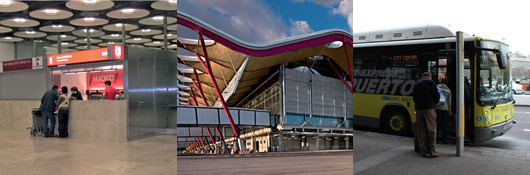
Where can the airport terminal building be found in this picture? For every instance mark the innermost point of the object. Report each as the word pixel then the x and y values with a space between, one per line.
pixel 303 84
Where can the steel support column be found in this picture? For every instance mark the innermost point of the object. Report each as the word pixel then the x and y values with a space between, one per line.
pixel 223 143
pixel 199 87
pixel 193 97
pixel 208 68
pixel 340 76
pixel 349 65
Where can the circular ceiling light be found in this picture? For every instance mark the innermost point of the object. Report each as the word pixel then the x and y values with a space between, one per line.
pixel 63 37
pixel 10 39
pixel 57 28
pixel 30 34
pixel 65 44
pixel 89 21
pixel 169 36
pixel 117 27
pixel 157 20
pixel 19 22
pixel 113 37
pixel 154 43
pixel 334 44
pixel 12 6
pixel 85 47
pixel 137 40
pixel 5 29
pixel 93 33
pixel 165 5
pixel 106 44
pixel 144 32
pixel 172 46
pixel 172 27
pixel 128 13
pixel 89 5
pixel 51 14
pixel 84 41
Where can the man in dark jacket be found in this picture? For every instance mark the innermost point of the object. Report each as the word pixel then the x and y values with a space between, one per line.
pixel 426 96
pixel 47 108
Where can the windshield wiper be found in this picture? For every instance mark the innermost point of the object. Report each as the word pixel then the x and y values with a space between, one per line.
pixel 503 93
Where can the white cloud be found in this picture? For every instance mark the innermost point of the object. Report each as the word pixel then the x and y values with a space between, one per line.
pixel 299 28
pixel 251 21
pixel 327 3
pixel 346 9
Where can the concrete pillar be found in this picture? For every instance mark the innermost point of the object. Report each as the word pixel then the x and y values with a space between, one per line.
pixel 317 147
pixel 347 139
pixel 280 142
pixel 335 143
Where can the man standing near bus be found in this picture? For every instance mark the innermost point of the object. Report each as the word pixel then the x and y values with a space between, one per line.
pixel 110 92
pixel 425 95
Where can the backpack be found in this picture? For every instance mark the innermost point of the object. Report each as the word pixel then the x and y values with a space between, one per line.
pixel 442 97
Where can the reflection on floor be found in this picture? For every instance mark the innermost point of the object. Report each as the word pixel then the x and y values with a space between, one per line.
pixel 26 155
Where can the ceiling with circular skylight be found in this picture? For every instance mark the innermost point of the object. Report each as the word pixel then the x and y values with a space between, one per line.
pixel 74 21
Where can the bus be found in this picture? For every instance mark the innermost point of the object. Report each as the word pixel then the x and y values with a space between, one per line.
pixel 387 63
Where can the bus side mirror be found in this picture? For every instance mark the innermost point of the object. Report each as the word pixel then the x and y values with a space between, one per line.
pixel 501 60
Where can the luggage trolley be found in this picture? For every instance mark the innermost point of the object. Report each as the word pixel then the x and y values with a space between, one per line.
pixel 36 130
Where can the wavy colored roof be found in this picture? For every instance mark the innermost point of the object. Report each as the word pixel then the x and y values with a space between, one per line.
pixel 228 55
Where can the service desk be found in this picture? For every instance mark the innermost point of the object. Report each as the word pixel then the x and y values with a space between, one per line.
pixel 93 120
pixel 98 120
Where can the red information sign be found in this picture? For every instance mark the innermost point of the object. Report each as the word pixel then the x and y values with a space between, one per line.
pixel 84 56
pixel 23 64
pixel 96 80
pixel 117 52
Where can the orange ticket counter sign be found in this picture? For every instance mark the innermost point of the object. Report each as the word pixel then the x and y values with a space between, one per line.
pixel 86 56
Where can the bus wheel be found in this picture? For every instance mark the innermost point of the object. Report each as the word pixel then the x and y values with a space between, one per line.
pixel 396 122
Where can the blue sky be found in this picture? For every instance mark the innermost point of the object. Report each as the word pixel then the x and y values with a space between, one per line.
pixel 264 21
pixel 318 16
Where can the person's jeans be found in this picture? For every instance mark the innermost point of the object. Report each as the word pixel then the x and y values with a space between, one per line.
pixel 62 115
pixel 45 116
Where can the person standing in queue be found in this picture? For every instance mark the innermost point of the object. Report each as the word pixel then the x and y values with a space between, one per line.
pixel 110 92
pixel 443 110
pixel 76 94
pixel 425 95
pixel 64 103
pixel 47 108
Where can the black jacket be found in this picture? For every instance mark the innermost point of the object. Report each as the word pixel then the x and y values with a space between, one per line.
pixel 77 96
pixel 425 94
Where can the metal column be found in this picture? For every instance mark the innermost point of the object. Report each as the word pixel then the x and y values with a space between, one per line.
pixel 59 43
pixel 317 144
pixel 87 38
pixel 460 94
pixel 208 68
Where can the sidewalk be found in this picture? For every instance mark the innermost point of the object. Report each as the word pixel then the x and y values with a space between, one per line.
pixel 376 153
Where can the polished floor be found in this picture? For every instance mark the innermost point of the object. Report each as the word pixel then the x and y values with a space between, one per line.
pixel 22 154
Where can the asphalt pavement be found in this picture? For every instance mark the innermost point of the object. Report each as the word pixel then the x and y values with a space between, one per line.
pixel 286 163
pixel 516 139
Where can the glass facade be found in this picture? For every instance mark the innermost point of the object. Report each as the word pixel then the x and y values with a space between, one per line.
pixel 317 121
pixel 268 100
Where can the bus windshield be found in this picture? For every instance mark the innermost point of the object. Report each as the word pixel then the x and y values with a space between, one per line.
pixel 494 83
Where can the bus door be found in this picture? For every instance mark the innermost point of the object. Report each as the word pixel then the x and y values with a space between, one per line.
pixel 447 70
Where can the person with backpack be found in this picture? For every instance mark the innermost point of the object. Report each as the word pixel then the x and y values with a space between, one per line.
pixel 425 96
pixel 63 102
pixel 443 110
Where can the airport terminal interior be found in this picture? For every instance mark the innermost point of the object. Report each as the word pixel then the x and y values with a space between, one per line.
pixel 207 92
